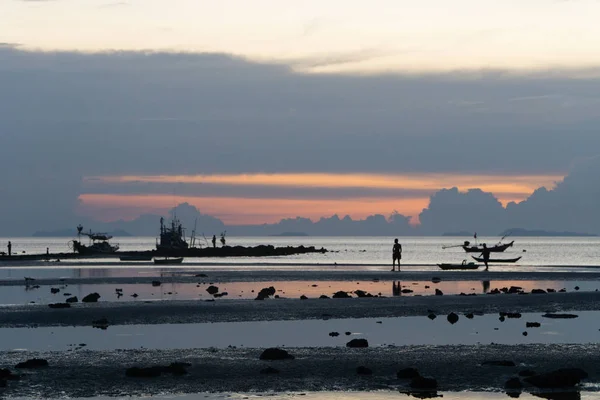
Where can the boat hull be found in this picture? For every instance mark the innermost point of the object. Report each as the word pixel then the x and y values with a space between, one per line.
pixel 493 249
pixel 447 267
pixel 168 261
pixel 136 258
pixel 497 260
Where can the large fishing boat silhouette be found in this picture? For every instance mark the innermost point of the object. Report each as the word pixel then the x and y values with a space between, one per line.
pixel 98 243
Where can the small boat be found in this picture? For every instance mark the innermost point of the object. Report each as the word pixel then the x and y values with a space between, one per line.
pixel 168 261
pixel 497 260
pixel 464 265
pixel 493 249
pixel 136 257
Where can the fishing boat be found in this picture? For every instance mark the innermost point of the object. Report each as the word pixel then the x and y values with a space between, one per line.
pixel 98 243
pixel 168 261
pixel 498 248
pixel 497 260
pixel 172 238
pixel 463 266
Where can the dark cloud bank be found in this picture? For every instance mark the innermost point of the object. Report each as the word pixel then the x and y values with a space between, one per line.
pixel 65 116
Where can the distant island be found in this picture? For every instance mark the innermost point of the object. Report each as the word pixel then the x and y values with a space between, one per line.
pixel 73 233
pixel 527 232
pixel 291 234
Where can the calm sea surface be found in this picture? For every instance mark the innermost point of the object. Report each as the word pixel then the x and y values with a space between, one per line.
pixel 419 253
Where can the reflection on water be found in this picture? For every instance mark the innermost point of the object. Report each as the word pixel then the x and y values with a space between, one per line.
pixel 171 290
pixel 469 330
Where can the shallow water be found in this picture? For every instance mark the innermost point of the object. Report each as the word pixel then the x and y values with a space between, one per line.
pixel 481 329
pixel 417 251
pixel 169 290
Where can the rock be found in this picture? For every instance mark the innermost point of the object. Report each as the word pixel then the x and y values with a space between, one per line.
pixel 407 373
pixel 406 291
pixel 155 283
pixel 576 288
pixel 563 290
pixel 364 371
pixel 560 316
pixel 495 291
pixel 514 384
pixel 334 334
pixel 538 291
pixel 435 279
pixel 532 324
pixel 341 295
pixel 452 318
pixel 421 382
pixel 525 333
pixel 323 296
pixel 550 290
pixel 358 343
pixel 265 293
pixel 59 305
pixel 72 299
pixel 510 315
pixel 212 289
pixel 499 363
pixel 502 318
pixel 438 292
pixel 348 333
pixel 54 290
pixel 432 316
pixel 7 375
pixel 269 370
pixel 91 298
pixel 362 293
pixel 137 372
pixel 101 323
pixel 469 316
pixel 565 377
pixel 527 372
pixel 514 289
pixel 33 363
pixel 274 353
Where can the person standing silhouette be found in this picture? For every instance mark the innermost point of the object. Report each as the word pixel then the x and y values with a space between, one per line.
pixel 486 255
pixel 214 241
pixel 396 254
pixel 9 248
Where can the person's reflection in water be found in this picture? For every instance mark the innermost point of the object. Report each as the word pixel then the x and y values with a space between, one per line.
pixel 396 288
pixel 486 286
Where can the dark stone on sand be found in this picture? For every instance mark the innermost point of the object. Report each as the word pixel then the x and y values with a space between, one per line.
pixel 407 373
pixel 323 296
pixel 421 382
pixel 54 290
pixel 364 370
pixel 510 315
pixel 525 333
pixel 432 316
pixel 502 318
pixel 549 290
pixel 564 377
pixel 495 291
pixel 334 334
pixel 469 316
pixel 33 363
pixel 438 292
pixel 576 288
pixel 435 279
pixel 532 324
pixel 514 289
pixel 341 295
pixel 72 299
pixel 513 384
pixel 212 289
pixel 91 298
pixel 59 305
pixel 499 363
pixel 348 333
pixel 265 293
pixel 560 316
pixel 274 353
pixel 155 283
pixel 269 370
pixel 303 297
pixel 362 293
pixel 358 343
pixel 406 291
pixel 452 318
pixel 563 290
pixel 527 372
pixel 538 291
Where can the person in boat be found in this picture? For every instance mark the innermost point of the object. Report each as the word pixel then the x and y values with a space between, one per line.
pixel 396 254
pixel 9 248
pixel 214 241
pixel 486 255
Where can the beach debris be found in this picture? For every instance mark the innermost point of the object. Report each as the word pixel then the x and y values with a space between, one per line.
pixel 101 323
pixel 499 363
pixel 362 370
pixel 527 372
pixel 532 324
pixel 314 285
pixel 407 373
pixel 269 370
pixel 538 291
pixel 59 305
pixel 513 384
pixel 155 283
pixel 303 297
pixel 564 377
pixel 421 382
pixel 452 318
pixel 560 316
pixel 334 334
pixel 432 316
pixel 54 290
pixel 341 295
pixel 32 363
pixel 91 298
pixel 274 353
pixel 438 292
pixel 212 289
pixel 358 343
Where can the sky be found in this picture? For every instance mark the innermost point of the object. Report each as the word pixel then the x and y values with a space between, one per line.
pixel 257 111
